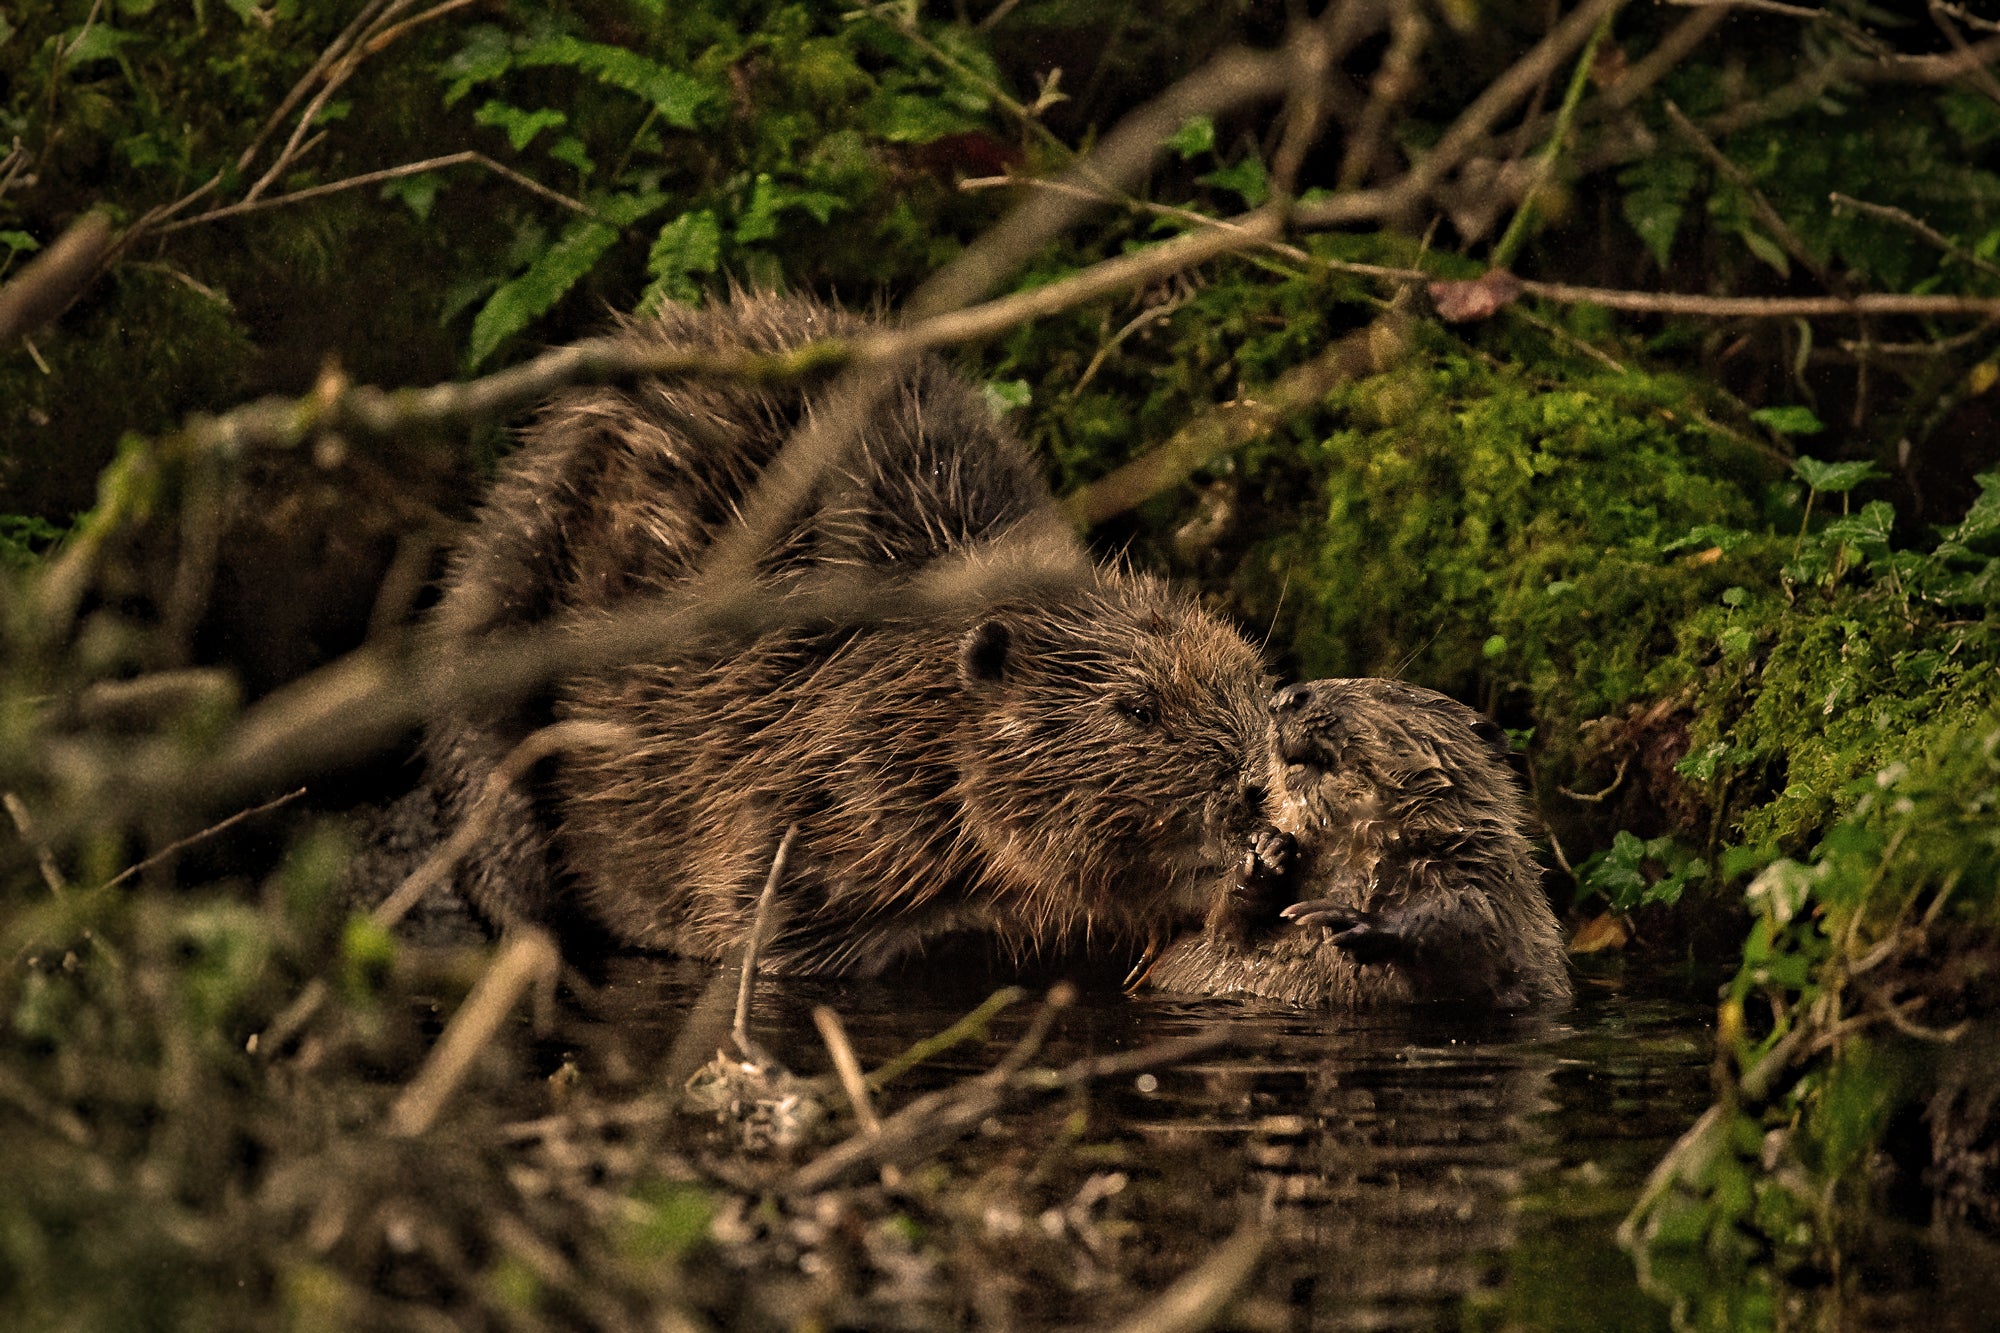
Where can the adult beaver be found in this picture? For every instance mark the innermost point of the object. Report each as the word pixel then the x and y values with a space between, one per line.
pixel 1398 825
pixel 1054 765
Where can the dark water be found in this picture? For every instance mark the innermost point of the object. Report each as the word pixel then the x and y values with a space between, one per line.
pixel 1428 1170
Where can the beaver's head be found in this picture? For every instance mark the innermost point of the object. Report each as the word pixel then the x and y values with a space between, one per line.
pixel 1382 746
pixel 1114 760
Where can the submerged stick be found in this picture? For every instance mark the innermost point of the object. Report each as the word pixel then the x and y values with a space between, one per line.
pixel 847 1067
pixel 527 956
pixel 1199 1297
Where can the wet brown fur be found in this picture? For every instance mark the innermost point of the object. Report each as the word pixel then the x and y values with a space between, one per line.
pixel 1401 814
pixel 1036 771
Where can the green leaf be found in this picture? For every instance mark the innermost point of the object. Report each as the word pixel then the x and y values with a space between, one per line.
pixel 1792 420
pixel 1656 196
pixel 417 193
pixel 688 245
pixel 1004 396
pixel 526 298
pixel 1495 646
pixel 19 240
pixel 486 55
pixel 518 125
pixel 1832 478
pixel 769 199
pixel 1246 179
pixel 1196 135
pixel 1766 249
pixel 679 98
pixel 99 41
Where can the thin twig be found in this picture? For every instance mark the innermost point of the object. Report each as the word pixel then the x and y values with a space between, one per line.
pixel 1395 79
pixel 1911 222
pixel 1780 230
pixel 1617 781
pixel 1524 212
pixel 746 984
pixel 466 158
pixel 213 830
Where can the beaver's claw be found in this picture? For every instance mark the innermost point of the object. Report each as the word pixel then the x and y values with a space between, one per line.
pixel 1369 936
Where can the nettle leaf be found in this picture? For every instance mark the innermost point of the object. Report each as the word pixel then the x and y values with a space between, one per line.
pixel 1831 478
pixel 690 244
pixel 518 125
pixel 1656 196
pixel 1703 536
pixel 1246 179
pixel 679 98
pixel 1197 135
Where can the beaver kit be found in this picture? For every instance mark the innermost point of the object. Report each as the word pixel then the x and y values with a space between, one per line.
pixel 1052 766
pixel 1397 867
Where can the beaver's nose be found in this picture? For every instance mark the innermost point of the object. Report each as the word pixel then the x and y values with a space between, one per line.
pixel 1291 697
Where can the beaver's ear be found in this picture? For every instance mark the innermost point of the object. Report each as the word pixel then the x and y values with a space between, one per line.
pixel 983 652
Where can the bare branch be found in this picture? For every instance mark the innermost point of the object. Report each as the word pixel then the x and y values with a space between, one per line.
pixel 55 277
pixel 1227 428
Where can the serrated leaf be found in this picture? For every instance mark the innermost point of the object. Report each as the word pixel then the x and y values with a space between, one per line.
pixel 486 55
pixel 769 199
pixel 1196 135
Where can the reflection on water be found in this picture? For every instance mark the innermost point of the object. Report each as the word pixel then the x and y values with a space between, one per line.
pixel 1428 1170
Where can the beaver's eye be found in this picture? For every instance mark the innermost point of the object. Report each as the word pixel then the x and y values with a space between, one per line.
pixel 1141 712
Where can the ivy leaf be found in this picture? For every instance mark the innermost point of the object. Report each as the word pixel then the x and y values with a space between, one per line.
pixel 690 244
pixel 1247 180
pixel 1832 478
pixel 1197 135
pixel 519 126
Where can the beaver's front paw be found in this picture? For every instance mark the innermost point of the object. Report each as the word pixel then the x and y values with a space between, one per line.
pixel 1369 937
pixel 1260 887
